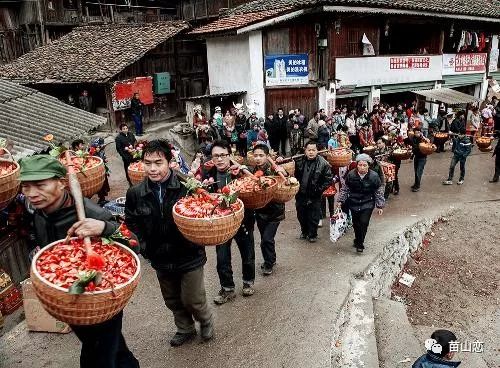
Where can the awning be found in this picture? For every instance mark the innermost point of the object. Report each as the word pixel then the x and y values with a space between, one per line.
pixel 448 96
pixel 216 95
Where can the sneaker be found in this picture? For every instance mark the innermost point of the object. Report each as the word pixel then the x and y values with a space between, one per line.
pixel 494 180
pixel 207 331
pixel 224 296
pixel 313 239
pixel 359 249
pixel 303 236
pixel 247 290
pixel 396 192
pixel 320 223
pixel 415 189
pixel 460 182
pixel 181 338
pixel 266 270
pixel 447 182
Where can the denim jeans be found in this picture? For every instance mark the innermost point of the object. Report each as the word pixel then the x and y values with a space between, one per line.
pixel 103 345
pixel 454 161
pixel 267 244
pixel 418 166
pixel 245 241
pixel 360 222
pixel 308 214
pixel 138 124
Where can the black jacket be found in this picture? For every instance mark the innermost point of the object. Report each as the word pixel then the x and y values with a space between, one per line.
pixel 321 177
pixel 54 226
pixel 270 127
pixel 457 126
pixel 362 191
pixel 414 141
pixel 154 225
pixel 123 141
pixel 273 211
pixel 136 106
pixel 281 125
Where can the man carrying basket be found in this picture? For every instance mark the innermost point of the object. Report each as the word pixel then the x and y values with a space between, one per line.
pixel 44 185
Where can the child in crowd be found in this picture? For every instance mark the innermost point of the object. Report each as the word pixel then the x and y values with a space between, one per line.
pixel 333 142
pixel 296 139
pixel 438 351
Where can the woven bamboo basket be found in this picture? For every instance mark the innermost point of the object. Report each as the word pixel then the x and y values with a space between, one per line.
pixel 209 231
pixel 91 179
pixel 483 142
pixel 250 160
pixel 427 148
pixel 403 155
pixel 9 184
pixel 441 137
pixel 88 308
pixel 485 149
pixel 284 192
pixel 289 167
pixel 258 199
pixel 369 149
pixel 339 160
pixel 136 176
pixel 240 160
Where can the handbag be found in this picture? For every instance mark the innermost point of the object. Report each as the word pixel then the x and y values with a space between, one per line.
pixel 338 225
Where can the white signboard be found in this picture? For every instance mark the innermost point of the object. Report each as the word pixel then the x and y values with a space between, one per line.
pixel 493 61
pixel 464 63
pixel 380 70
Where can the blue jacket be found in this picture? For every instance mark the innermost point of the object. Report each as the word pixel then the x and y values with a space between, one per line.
pixel 430 360
pixel 462 146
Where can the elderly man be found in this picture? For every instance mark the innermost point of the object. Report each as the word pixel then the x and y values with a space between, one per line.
pixel 43 183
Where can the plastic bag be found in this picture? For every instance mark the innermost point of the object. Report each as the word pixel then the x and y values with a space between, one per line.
pixel 338 225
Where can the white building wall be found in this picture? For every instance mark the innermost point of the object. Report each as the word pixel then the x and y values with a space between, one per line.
pixel 255 91
pixel 228 64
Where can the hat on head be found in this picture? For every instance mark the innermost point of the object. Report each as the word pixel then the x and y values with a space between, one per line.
pixel 449 112
pixel 364 157
pixel 41 167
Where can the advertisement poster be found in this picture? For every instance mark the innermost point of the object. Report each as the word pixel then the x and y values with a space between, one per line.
pixel 123 91
pixel 288 69
pixel 464 63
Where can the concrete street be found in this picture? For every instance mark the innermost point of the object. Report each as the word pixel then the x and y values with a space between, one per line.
pixel 288 322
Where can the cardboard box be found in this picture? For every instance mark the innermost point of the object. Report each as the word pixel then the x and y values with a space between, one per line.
pixel 37 317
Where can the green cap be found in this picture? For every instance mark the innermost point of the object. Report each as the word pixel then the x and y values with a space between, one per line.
pixel 41 167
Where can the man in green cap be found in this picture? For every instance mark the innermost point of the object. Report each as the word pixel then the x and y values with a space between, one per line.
pixel 43 182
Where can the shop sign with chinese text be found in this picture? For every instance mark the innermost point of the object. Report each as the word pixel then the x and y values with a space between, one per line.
pixel 289 69
pixel 464 63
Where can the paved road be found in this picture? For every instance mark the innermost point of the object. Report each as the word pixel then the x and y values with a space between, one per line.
pixel 288 322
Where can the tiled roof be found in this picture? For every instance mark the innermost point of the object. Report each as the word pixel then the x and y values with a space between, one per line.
pixel 482 8
pixel 237 21
pixel 27 115
pixel 90 54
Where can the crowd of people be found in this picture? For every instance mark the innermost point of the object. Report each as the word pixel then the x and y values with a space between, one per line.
pixel 179 264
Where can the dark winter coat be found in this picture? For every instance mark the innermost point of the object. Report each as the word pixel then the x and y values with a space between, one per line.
pixel 430 360
pixel 362 193
pixel 462 146
pixel 414 141
pixel 321 177
pixel 273 211
pixel 54 226
pixel 136 106
pixel 323 136
pixel 154 225
pixel 281 125
pixel 123 141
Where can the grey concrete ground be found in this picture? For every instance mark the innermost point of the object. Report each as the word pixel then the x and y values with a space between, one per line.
pixel 289 320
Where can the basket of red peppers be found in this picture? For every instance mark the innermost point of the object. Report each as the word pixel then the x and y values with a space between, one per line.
pixel 77 291
pixel 91 172
pixel 208 219
pixel 255 191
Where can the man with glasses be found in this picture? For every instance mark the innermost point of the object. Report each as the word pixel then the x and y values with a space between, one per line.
pixel 222 173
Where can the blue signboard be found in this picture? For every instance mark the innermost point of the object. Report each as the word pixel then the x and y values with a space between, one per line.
pixel 286 69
